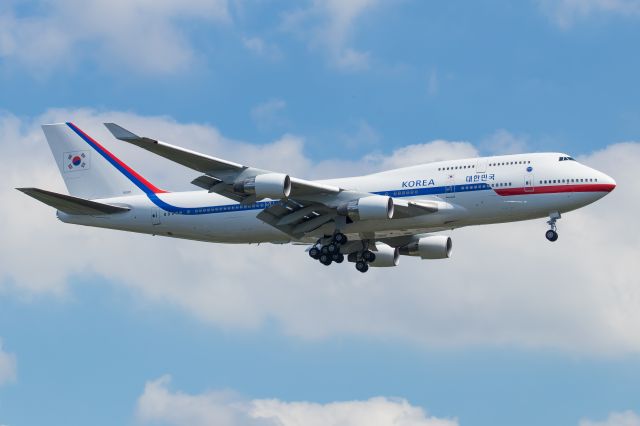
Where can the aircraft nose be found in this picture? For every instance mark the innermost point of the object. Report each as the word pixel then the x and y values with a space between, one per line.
pixel 609 182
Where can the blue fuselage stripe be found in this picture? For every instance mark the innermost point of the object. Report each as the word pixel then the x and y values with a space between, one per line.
pixel 413 192
pixel 265 204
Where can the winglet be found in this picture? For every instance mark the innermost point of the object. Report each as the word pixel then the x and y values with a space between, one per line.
pixel 121 133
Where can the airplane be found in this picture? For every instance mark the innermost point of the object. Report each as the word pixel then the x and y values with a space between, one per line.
pixel 368 220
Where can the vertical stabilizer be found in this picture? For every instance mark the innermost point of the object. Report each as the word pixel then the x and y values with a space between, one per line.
pixel 89 170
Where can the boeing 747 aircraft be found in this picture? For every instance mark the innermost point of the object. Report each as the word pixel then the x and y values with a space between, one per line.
pixel 369 220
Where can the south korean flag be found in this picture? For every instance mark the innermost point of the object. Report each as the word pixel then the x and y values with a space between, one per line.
pixel 77 161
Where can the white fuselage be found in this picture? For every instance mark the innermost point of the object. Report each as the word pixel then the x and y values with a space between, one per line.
pixel 470 192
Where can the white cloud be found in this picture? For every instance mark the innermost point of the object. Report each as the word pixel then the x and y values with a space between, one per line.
pixel 141 35
pixel 223 408
pixel 505 285
pixel 626 418
pixel 262 48
pixel 363 135
pixel 504 142
pixel 158 404
pixel 423 153
pixel 8 367
pixel 268 115
pixel 330 25
pixel 565 12
pixel 379 411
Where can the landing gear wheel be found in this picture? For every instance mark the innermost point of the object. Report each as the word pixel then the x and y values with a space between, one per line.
pixel 314 252
pixel 324 250
pixel 552 233
pixel 325 259
pixel 340 238
pixel 369 256
pixel 338 257
pixel 362 266
pixel 333 248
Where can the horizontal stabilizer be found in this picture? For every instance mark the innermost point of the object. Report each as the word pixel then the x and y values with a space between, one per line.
pixel 72 205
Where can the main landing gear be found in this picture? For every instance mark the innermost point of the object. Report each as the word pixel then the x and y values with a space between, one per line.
pixel 328 250
pixel 552 234
pixel 362 259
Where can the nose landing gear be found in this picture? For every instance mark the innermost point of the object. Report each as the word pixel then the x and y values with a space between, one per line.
pixel 552 234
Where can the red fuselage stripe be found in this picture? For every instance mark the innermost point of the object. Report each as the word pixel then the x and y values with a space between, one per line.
pixel 119 164
pixel 555 189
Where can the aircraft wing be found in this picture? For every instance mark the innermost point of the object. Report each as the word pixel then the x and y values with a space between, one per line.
pixel 220 176
pixel 305 206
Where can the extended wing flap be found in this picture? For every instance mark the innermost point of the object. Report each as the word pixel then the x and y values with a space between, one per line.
pixel 72 205
pixel 297 218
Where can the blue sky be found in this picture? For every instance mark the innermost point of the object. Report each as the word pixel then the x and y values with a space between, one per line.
pixel 93 323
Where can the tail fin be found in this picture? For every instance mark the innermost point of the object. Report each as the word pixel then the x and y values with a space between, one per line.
pixel 89 170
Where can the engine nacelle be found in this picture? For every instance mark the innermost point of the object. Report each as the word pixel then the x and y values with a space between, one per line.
pixel 386 256
pixel 268 185
pixel 431 247
pixel 368 208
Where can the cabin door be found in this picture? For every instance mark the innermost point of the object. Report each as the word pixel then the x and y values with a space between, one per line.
pixel 529 183
pixel 450 187
pixel 155 217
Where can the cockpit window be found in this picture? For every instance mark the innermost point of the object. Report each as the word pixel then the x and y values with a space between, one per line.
pixel 566 159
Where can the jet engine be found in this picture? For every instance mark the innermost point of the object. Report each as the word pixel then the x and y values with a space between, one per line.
pixel 368 208
pixel 268 185
pixel 386 256
pixel 431 247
